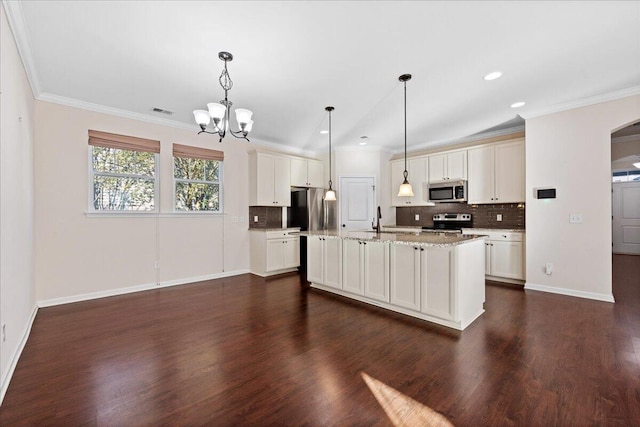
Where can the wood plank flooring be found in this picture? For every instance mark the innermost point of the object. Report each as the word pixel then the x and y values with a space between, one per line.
pixel 250 351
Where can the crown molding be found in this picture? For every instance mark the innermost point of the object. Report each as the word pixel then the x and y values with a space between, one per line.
pixel 584 102
pixel 18 27
pixel 360 148
pixel 467 139
pixel 283 149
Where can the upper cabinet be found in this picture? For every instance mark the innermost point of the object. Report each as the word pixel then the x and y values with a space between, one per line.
pixel 448 166
pixel 306 173
pixel 418 175
pixel 269 180
pixel 496 173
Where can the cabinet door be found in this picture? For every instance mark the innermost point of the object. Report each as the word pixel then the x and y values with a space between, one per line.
pixel 480 186
pixel 376 271
pixel 315 258
pixel 437 168
pixel 437 283
pixel 506 259
pixel 292 252
pixel 487 257
pixel 352 280
pixel 275 254
pixel 405 276
pixel 282 179
pixel 509 173
pixel 265 176
pixel 417 176
pixel 298 173
pixel 315 174
pixel 457 165
pixel 332 263
pixel 397 167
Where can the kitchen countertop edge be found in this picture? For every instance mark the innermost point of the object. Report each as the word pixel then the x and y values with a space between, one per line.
pixel 430 239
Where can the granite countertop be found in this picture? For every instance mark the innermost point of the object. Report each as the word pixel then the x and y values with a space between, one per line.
pixel 496 230
pixel 417 227
pixel 427 239
pixel 276 229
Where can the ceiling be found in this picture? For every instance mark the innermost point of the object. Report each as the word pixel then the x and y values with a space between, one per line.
pixel 291 59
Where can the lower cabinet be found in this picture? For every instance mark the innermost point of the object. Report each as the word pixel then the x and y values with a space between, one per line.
pixel 365 269
pixel 504 254
pixel 406 277
pixel 274 252
pixel 324 261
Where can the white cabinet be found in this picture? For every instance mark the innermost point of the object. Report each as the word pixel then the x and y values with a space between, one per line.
pixel 418 174
pixel 324 261
pixel 365 269
pixel 269 180
pixel 448 166
pixel 274 252
pixel 306 173
pixel 496 173
pixel 438 283
pixel 504 254
pixel 405 275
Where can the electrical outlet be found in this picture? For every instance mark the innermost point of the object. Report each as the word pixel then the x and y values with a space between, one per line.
pixel 499 217
pixel 575 218
pixel 255 218
pixel 156 265
pixel 548 268
pixel 417 217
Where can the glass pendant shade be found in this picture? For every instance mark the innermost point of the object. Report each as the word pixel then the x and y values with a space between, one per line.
pixel 405 190
pixel 637 164
pixel 202 117
pixel 216 110
pixel 243 116
pixel 330 195
pixel 249 126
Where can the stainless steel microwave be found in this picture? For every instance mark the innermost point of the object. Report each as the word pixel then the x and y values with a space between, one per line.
pixel 447 192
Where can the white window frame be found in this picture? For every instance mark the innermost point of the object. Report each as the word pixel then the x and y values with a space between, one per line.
pixel 156 187
pixel 220 210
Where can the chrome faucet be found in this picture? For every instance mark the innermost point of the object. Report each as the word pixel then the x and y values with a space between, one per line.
pixel 376 226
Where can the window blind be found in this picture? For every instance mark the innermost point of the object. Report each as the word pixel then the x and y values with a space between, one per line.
pixel 123 142
pixel 197 153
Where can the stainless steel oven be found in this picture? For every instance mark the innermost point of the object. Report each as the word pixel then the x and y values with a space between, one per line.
pixel 454 191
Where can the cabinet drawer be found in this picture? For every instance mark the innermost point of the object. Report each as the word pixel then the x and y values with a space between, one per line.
pixel 279 234
pixel 507 236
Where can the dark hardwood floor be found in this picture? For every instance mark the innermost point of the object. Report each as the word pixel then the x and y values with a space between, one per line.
pixel 249 351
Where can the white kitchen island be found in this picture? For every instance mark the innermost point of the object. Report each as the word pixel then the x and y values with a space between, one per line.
pixel 436 277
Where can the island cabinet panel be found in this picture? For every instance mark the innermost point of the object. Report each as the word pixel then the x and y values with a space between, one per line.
pixel 315 264
pixel 405 280
pixel 376 271
pixel 438 284
pixel 352 266
pixel 324 261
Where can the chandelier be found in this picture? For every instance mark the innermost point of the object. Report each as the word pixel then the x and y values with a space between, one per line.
pixel 219 112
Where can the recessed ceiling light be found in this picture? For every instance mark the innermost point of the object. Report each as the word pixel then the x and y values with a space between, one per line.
pixel 324 132
pixel 364 143
pixel 493 76
pixel 517 104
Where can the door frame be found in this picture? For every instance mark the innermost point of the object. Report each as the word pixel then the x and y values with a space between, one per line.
pixel 375 194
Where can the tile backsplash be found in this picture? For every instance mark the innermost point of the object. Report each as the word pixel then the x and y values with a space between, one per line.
pixel 268 217
pixel 483 216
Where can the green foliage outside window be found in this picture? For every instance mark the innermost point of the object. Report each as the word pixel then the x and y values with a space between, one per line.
pixel 123 180
pixel 197 184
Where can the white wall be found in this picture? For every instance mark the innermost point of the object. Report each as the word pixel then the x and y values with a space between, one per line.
pixel 365 161
pixel 78 257
pixel 17 292
pixel 571 151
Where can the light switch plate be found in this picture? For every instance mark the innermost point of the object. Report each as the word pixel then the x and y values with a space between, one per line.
pixel 499 217
pixel 417 217
pixel 255 218
pixel 575 218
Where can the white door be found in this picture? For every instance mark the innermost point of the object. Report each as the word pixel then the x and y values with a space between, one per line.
pixel 626 217
pixel 357 203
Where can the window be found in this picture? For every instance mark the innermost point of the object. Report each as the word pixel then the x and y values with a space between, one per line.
pixel 625 176
pixel 197 177
pixel 123 172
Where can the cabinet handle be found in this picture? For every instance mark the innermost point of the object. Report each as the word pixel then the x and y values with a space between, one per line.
pixel 415 248
pixel 422 249
pixel 504 235
pixel 364 243
pixel 359 243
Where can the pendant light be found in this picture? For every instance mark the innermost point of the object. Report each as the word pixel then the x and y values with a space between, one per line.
pixel 330 195
pixel 405 189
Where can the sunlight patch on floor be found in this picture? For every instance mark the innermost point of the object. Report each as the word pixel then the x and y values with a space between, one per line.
pixel 401 409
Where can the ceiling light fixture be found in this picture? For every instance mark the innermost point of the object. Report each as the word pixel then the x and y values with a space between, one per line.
pixel 405 189
pixel 220 111
pixel 363 143
pixel 493 76
pixel 324 132
pixel 330 195
pixel 637 164
pixel 517 104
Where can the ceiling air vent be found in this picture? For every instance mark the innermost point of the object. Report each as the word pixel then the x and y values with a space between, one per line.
pixel 160 110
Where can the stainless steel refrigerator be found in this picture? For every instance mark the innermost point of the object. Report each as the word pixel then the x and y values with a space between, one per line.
pixel 310 212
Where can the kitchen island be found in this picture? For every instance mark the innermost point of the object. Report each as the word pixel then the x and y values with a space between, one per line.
pixel 438 277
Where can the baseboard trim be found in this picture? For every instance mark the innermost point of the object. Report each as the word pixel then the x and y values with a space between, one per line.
pixel 137 288
pixel 569 292
pixel 16 356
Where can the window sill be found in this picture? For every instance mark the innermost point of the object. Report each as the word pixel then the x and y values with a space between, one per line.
pixel 152 214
